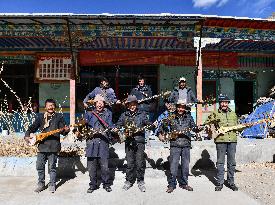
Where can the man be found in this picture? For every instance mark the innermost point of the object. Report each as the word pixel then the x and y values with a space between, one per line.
pixel 135 143
pixel 180 146
pixel 183 93
pixel 47 149
pixel 142 91
pixel 97 150
pixel 103 90
pixel 225 144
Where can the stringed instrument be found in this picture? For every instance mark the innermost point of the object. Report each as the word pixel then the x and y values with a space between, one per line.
pixel 162 94
pixel 35 139
pixel 215 133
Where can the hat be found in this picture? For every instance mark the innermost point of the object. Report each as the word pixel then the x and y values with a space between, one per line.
pixel 181 102
pixel 223 98
pixel 182 79
pixel 131 98
pixel 99 97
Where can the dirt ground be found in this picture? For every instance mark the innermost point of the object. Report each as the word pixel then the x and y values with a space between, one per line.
pixel 257 180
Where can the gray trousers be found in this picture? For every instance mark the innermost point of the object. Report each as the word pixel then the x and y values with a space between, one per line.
pixel 135 157
pixel 175 154
pixel 228 149
pixel 42 158
pixel 92 164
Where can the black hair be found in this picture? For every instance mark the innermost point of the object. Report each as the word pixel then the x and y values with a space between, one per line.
pixel 102 78
pixel 140 77
pixel 50 101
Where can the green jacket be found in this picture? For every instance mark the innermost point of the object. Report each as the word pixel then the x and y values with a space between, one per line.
pixel 224 119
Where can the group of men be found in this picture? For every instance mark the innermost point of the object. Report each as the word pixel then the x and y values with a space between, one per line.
pixel 174 124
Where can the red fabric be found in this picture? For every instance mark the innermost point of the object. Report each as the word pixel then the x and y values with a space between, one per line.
pixel 173 58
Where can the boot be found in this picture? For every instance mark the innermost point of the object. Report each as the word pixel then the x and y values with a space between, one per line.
pixel 90 190
pixel 170 189
pixel 127 185
pixel 186 187
pixel 218 188
pixel 233 187
pixel 107 188
pixel 40 187
pixel 52 188
pixel 141 186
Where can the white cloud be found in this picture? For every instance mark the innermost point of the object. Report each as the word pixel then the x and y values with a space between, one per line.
pixel 208 3
pixel 259 8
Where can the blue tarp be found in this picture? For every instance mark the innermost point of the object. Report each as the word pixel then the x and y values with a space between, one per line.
pixel 263 111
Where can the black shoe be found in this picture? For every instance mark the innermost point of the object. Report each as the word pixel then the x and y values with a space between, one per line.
pixel 186 187
pixel 218 188
pixel 90 190
pixel 108 188
pixel 170 189
pixel 233 187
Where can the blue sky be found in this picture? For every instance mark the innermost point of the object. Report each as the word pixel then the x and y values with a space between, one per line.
pixel 243 8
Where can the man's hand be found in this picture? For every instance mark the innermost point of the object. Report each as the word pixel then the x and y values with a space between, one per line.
pixel 85 105
pixel 118 102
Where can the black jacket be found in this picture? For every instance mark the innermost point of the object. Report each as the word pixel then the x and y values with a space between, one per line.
pixel 180 123
pixel 138 119
pixel 142 93
pixel 52 143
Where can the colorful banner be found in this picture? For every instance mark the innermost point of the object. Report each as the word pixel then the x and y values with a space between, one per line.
pixel 172 58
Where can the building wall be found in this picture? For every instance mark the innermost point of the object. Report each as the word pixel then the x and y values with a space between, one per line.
pixel 60 92
pixel 169 76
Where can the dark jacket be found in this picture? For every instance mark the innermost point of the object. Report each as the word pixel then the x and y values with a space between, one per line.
pixel 52 143
pixel 191 98
pixel 179 123
pixel 138 119
pixel 141 93
pixel 98 145
pixel 108 94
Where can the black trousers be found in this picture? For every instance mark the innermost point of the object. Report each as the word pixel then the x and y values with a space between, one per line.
pixel 92 164
pixel 177 154
pixel 135 157
pixel 42 158
pixel 228 149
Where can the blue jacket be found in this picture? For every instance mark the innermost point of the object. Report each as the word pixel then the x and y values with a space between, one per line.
pixel 160 119
pixel 191 98
pixel 141 93
pixel 139 119
pixel 98 145
pixel 108 94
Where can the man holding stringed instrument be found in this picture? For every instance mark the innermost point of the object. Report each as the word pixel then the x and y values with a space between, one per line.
pixel 142 91
pixel 226 143
pixel 105 91
pixel 99 121
pixel 48 148
pixel 133 119
pixel 180 124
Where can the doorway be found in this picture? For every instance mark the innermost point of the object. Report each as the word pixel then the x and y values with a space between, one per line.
pixel 244 97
